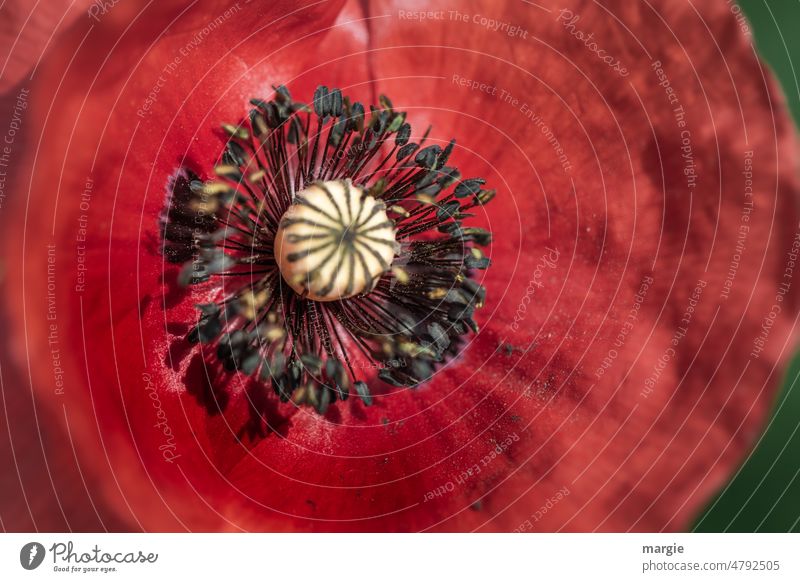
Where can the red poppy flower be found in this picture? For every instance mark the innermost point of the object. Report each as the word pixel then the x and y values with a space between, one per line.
pixel 639 304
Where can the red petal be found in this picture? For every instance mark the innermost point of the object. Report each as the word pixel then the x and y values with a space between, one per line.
pixel 27 30
pixel 499 439
pixel 623 210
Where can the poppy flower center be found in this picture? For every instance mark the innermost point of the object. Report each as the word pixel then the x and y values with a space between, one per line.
pixel 338 245
pixel 335 241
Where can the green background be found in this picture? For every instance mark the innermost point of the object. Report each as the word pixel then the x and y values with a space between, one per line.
pixel 765 494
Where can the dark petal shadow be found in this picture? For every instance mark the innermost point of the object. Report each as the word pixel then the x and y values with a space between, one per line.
pixel 267 415
pixel 206 383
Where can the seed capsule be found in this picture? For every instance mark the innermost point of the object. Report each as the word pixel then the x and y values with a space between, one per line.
pixel 335 241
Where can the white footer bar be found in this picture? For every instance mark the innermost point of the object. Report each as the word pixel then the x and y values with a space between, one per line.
pixel 397 557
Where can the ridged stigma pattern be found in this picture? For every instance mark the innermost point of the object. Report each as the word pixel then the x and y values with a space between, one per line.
pixel 335 241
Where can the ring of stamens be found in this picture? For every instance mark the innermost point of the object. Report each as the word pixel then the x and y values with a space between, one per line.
pixel 310 329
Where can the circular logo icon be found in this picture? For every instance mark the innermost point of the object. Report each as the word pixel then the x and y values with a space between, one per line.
pixel 31 555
